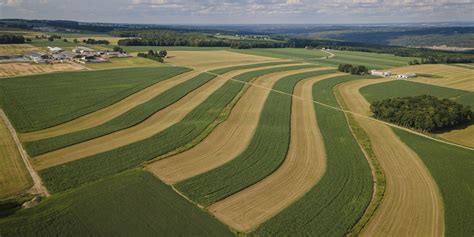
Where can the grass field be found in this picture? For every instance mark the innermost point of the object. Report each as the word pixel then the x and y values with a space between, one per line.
pixel 78 172
pixel 339 199
pixel 266 151
pixel 285 53
pixel 129 204
pixel 69 95
pixel 125 62
pixel 403 88
pixel 451 167
pixel 370 60
pixel 135 49
pixel 14 177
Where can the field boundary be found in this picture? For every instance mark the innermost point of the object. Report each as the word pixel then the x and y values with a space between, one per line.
pixel 38 187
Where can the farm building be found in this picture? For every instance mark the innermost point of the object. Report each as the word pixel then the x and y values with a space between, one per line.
pixel 117 55
pixel 380 73
pixel 407 75
pixel 64 56
pixel 55 49
pixel 37 57
pixel 82 50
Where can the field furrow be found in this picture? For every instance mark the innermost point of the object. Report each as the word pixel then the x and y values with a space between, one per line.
pixel 154 124
pixel 412 204
pixel 227 141
pixel 194 125
pixel 108 113
pixel 265 153
pixel 304 165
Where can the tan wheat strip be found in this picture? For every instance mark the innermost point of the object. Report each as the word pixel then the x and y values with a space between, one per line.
pixel 412 204
pixel 154 124
pixel 106 114
pixel 228 140
pixel 303 167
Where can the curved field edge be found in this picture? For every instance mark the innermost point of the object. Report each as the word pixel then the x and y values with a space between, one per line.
pixel 105 208
pixel 135 115
pixel 336 203
pixel 377 171
pixel 452 168
pixel 88 169
pixel 25 98
pixel 265 153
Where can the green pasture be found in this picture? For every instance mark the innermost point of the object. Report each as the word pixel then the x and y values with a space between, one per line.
pixel 370 60
pixel 285 53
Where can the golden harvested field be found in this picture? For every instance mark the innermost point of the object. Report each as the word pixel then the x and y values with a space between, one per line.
pixel 124 63
pixel 16 48
pixel 303 167
pixel 103 115
pixel 227 140
pixel 21 69
pixel 463 136
pixel 154 124
pixel 445 75
pixel 412 204
pixel 217 59
pixel 14 177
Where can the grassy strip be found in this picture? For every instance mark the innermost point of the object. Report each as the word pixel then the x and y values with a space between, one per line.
pixel 338 201
pixel 101 165
pixel 267 149
pixel 105 208
pixel 66 96
pixel 377 172
pixel 452 168
pixel 132 117
pixel 402 88
pixel 224 70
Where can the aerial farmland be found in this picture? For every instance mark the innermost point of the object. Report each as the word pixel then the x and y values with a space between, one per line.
pixel 145 130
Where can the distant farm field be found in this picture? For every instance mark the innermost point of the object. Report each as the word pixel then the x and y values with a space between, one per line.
pixel 370 60
pixel 69 95
pixel 16 48
pixel 286 53
pixel 22 69
pixel 133 203
pixel 135 49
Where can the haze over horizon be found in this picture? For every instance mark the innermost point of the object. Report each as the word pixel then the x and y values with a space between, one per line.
pixel 241 11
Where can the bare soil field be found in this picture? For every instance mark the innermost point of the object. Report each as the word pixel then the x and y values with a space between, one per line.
pixel 412 204
pixel 202 60
pixel 441 75
pixel 228 140
pixel 303 167
pixel 14 176
pixel 103 115
pixel 154 124
pixel 21 69
pixel 16 49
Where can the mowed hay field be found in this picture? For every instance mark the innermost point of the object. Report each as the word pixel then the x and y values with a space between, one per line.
pixel 14 177
pixel 401 88
pixel 208 60
pixel 370 60
pixel 133 203
pixel 441 75
pixel 21 69
pixel 16 49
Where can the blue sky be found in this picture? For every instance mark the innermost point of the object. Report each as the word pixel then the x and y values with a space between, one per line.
pixel 241 11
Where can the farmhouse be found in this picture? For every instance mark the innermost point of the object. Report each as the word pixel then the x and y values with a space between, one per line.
pixel 407 75
pixel 380 73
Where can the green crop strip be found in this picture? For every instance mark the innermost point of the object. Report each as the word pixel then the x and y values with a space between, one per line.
pixel 66 96
pixel 267 149
pixel 224 70
pixel 132 117
pixel 338 201
pixel 133 203
pixel 101 165
pixel 452 168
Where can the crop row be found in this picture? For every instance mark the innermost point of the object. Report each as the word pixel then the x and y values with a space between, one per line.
pixel 267 149
pixel 66 96
pixel 101 165
pixel 105 208
pixel 338 201
pixel 132 117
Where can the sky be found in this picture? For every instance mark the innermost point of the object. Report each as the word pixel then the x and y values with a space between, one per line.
pixel 241 11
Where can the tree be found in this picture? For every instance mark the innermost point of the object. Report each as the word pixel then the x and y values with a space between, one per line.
pixel 118 49
pixel 163 53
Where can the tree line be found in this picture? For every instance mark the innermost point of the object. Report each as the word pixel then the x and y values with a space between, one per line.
pixel 424 113
pixel 11 39
pixel 154 55
pixel 94 41
pixel 354 70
